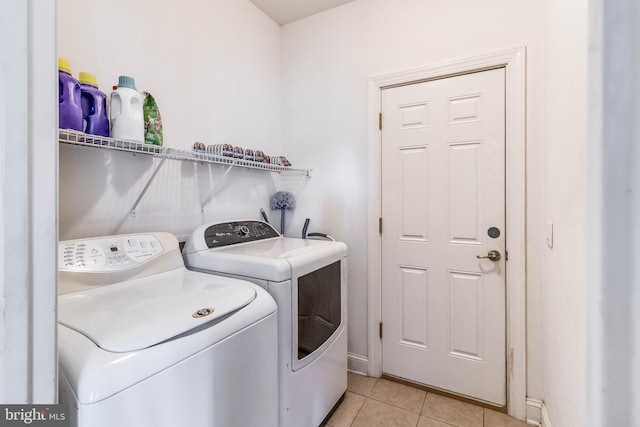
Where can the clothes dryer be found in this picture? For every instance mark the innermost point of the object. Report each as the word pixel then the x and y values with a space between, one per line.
pixel 308 280
pixel 145 342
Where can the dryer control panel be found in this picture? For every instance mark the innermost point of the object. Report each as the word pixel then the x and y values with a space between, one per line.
pixel 231 233
pixel 107 253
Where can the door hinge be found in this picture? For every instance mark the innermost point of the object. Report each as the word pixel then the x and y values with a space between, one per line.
pixel 380 225
pixel 380 329
pixel 380 121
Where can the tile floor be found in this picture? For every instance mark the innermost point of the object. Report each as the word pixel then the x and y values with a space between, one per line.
pixel 372 402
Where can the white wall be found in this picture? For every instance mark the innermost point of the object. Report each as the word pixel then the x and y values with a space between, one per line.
pixel 328 59
pixel 214 69
pixel 563 333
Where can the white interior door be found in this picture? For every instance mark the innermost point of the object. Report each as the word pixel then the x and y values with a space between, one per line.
pixel 443 205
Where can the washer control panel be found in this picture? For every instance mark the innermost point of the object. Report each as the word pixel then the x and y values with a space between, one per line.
pixel 231 233
pixel 107 253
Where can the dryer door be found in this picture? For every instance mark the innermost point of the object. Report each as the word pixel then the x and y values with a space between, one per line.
pixel 319 308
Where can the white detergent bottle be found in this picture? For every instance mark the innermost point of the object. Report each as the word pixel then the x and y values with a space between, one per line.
pixel 127 121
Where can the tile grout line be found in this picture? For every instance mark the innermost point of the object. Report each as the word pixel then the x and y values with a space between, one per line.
pixel 363 403
pixel 358 411
pixel 369 399
pixel 395 406
pixel 420 414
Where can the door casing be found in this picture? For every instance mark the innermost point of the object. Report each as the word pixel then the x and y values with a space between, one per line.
pixel 514 63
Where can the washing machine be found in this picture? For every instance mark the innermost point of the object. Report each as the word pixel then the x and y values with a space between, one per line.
pixel 142 341
pixel 308 280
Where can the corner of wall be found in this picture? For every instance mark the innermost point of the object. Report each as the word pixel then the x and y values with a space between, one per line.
pixel 358 363
pixel 537 414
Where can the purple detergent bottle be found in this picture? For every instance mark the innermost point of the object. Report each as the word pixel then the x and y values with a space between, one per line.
pixel 69 109
pixel 94 106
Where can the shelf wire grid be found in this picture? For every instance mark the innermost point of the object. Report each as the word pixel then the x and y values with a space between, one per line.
pixel 73 137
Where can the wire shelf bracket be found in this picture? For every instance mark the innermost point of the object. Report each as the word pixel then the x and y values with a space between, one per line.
pixel 132 212
pixel 216 188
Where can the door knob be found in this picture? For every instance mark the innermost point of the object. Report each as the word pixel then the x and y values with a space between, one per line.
pixel 492 255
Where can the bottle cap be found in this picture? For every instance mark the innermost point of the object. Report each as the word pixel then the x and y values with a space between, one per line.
pixel 126 81
pixel 63 65
pixel 88 79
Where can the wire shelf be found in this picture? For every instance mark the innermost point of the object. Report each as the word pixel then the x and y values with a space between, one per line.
pixel 67 136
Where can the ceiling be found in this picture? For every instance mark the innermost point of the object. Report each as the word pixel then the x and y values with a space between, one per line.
pixel 285 11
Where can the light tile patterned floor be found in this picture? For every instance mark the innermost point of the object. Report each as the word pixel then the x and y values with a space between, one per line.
pixel 372 402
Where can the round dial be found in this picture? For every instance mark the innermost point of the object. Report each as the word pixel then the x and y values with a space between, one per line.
pixel 243 230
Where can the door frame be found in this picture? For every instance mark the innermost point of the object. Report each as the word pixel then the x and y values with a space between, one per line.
pixel 514 63
pixel 28 202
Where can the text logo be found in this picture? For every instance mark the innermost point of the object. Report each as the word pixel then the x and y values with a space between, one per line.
pixel 34 415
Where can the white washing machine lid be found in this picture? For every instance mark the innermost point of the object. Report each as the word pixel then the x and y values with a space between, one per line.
pixel 140 313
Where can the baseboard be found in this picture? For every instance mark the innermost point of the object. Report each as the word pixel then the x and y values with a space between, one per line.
pixel 545 417
pixel 537 414
pixel 358 363
pixel 534 411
